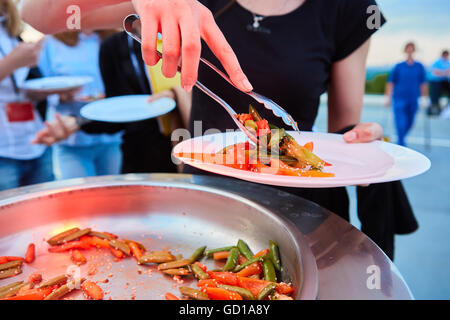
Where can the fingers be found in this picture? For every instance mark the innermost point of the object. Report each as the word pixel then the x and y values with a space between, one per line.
pixel 171 46
pixel 149 38
pixel 190 53
pixel 364 132
pixel 64 131
pixel 216 41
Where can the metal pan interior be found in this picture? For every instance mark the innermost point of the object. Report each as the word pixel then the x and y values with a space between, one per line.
pixel 179 218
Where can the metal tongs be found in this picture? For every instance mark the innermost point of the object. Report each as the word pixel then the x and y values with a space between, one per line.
pixel 269 104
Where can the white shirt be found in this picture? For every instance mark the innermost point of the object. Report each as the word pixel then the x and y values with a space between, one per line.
pixel 15 137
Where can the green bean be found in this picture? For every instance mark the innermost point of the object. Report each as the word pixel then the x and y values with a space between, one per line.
pixel 10 272
pixel 246 294
pixel 11 264
pixel 101 235
pixel 231 260
pixel 254 113
pixel 175 264
pixel 75 235
pixel 198 272
pixel 177 272
pixel 156 257
pixel 274 255
pixel 209 253
pixel 193 293
pixel 54 281
pixel 198 253
pixel 140 245
pixel 119 245
pixel 249 262
pixel 266 291
pixel 11 289
pixel 58 239
pixel 269 270
pixel 244 249
pixel 179 256
pixel 59 293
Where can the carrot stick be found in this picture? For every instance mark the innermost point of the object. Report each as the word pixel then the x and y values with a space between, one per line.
pixel 33 294
pixel 78 244
pixel 254 268
pixel 309 146
pixel 221 294
pixel 221 255
pixel 261 253
pixel 92 290
pixel 78 257
pixel 170 296
pixel 31 253
pixel 207 283
pixel 3 260
pixel 117 253
pixel 242 259
pixel 135 250
pixel 10 258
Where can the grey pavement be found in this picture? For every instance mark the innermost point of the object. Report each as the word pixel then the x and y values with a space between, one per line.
pixel 422 257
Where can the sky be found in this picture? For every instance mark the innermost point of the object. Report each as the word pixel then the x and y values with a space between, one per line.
pixel 426 22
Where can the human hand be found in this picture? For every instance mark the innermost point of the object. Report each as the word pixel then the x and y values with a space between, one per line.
pixel 182 24
pixel 25 54
pixel 164 94
pixel 68 96
pixel 364 132
pixel 55 131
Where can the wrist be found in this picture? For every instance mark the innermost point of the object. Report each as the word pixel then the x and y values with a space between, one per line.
pixel 12 61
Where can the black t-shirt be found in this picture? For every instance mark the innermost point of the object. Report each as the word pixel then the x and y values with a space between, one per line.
pixel 290 65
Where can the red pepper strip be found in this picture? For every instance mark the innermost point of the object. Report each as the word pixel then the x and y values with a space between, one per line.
pixel 3 260
pixel 221 294
pixel 256 285
pixel 30 254
pixel 207 283
pixel 135 249
pixel 254 268
pixel 242 117
pixel 263 127
pixel 261 253
pixel 224 277
pixel 309 146
pixel 242 259
pixel 33 294
pixel 170 296
pixel 10 258
pixel 92 290
pixel 201 265
pixel 78 244
pixel 284 288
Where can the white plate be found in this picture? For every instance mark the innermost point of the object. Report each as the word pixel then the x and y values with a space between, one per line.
pixel 55 84
pixel 127 108
pixel 352 164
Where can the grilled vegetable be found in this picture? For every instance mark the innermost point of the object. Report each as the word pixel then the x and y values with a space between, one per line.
pixel 198 253
pixel 198 272
pixel 30 254
pixel 60 292
pixel 92 290
pixel 175 264
pixel 58 239
pixel 255 115
pixel 209 253
pixel 266 291
pixel 249 262
pixel 102 235
pixel 291 148
pixel 156 257
pixel 78 257
pixel 178 272
pixel 193 293
pixel 244 249
pixel 119 245
pixel 274 255
pixel 135 249
pixel 9 265
pixel 222 294
pixel 232 260
pixel 269 270
pixel 11 289
pixel 54 281
pixel 140 245
pixel 244 293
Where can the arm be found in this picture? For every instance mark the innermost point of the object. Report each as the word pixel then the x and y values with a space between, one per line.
pixel 183 24
pixel 345 97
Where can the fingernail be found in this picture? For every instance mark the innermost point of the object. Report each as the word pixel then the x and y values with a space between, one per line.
pixel 350 136
pixel 187 88
pixel 247 85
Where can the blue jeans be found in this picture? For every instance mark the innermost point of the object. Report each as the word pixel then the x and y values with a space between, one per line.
pixel 404 113
pixel 78 162
pixel 18 173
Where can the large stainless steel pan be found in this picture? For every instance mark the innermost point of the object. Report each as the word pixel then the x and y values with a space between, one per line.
pixel 167 212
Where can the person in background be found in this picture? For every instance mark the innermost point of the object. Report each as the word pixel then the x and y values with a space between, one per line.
pixel 406 83
pixel 21 163
pixel 439 81
pixel 74 53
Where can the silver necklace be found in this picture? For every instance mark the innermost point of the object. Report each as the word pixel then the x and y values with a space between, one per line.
pixel 256 25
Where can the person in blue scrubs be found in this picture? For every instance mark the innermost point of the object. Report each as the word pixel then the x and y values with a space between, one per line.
pixel 406 83
pixel 439 78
